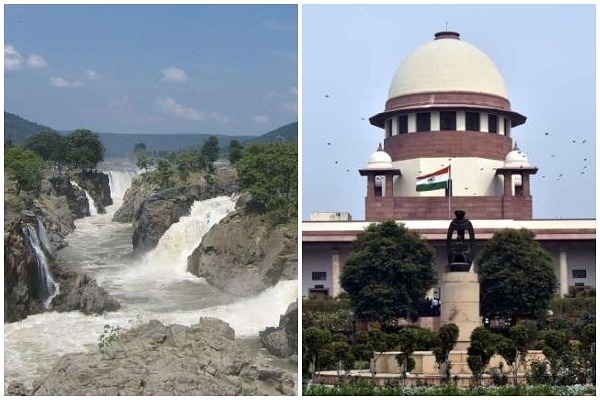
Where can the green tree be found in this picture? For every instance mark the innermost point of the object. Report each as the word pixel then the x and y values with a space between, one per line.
pixel 49 145
pixel 25 167
pixel 143 162
pixel 521 337
pixel 314 341
pixel 516 276
pixel 447 338
pixel 138 150
pixel 84 149
pixel 388 272
pixel 407 344
pixel 480 351
pixel 235 151
pixel 163 174
pixel 269 172
pixel 210 149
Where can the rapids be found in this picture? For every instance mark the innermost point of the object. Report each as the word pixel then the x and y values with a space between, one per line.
pixel 155 286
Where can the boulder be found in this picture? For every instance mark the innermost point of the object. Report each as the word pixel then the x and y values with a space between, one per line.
pixel 244 254
pixel 98 187
pixel 79 291
pixel 282 341
pixel 154 359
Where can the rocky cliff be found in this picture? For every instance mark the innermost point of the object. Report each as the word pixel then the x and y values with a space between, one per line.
pixel 153 359
pixel 98 187
pixel 56 207
pixel 245 254
pixel 153 211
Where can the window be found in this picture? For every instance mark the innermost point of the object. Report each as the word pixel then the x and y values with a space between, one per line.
pixel 506 126
pixel 448 120
pixel 403 124
pixel 319 276
pixel 579 273
pixel 492 123
pixel 423 122
pixel 388 128
pixel 472 121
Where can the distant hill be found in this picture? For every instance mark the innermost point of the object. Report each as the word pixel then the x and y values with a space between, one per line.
pixel 287 132
pixel 18 130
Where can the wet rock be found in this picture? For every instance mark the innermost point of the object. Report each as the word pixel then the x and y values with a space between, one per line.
pixel 81 292
pixel 245 255
pixel 282 341
pixel 160 210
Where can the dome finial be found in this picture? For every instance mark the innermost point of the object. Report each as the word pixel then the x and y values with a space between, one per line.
pixel 516 147
pixel 380 148
pixel 447 34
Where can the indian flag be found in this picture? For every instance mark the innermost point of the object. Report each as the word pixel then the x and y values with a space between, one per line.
pixel 436 180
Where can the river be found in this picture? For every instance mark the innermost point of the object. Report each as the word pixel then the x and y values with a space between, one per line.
pixel 155 286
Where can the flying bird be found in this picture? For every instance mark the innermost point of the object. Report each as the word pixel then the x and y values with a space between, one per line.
pixel 328 143
pixel 546 133
pixel 326 95
pixel 584 140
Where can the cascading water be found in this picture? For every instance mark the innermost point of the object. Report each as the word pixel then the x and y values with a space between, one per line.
pixel 47 287
pixel 91 204
pixel 155 287
pixel 119 182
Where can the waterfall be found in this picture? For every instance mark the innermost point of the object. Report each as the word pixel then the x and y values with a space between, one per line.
pixel 38 240
pixel 91 205
pixel 169 259
pixel 119 182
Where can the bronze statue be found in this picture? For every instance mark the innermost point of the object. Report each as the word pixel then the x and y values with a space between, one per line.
pixel 460 252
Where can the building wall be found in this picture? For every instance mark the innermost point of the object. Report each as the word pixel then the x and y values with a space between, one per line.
pixel 471 176
pixel 431 208
pixel 317 257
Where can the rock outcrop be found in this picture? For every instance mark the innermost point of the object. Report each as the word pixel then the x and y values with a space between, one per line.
pixel 160 210
pixel 56 207
pixel 282 341
pixel 154 359
pixel 98 186
pixel 79 291
pixel 133 198
pixel 23 289
pixel 244 254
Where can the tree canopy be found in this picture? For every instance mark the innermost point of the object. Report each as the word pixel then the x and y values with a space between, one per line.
pixel 235 151
pixel 516 276
pixel 210 149
pixel 388 272
pixel 24 166
pixel 49 145
pixel 84 149
pixel 269 171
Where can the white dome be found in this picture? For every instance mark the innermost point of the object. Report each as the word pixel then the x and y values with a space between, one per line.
pixel 380 160
pixel 447 64
pixel 516 159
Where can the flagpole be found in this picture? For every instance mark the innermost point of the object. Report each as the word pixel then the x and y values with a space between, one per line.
pixel 449 188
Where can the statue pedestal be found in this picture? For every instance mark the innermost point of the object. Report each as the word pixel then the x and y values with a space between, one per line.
pixel 460 304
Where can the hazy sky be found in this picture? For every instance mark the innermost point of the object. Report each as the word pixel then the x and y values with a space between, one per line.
pixel 545 53
pixel 153 68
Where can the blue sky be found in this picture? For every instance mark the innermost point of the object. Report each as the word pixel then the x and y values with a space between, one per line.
pixel 545 53
pixel 226 69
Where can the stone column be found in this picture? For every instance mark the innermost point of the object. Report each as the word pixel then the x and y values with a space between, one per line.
pixel 507 184
pixel 460 304
pixel 370 186
pixel 389 184
pixel 525 183
pixel 335 273
pixel 563 273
